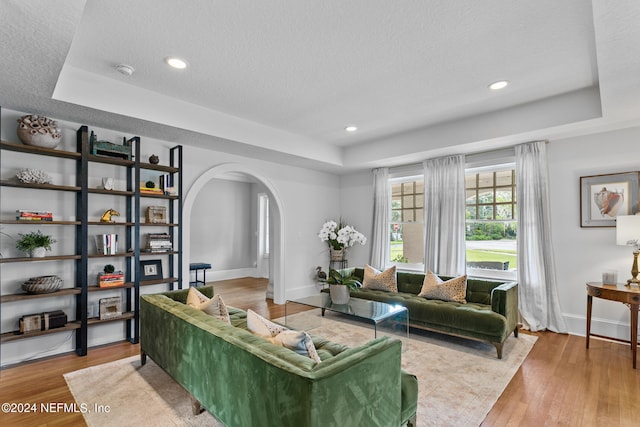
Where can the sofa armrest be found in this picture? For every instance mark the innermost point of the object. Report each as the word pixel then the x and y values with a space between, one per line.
pixel 504 300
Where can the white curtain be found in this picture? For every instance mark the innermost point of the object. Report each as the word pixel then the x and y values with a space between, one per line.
pixel 381 212
pixel 538 298
pixel 444 215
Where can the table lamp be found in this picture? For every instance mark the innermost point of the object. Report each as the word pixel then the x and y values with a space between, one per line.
pixel 628 234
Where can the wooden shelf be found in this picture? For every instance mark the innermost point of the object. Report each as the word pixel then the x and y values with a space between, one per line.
pixel 25 296
pixel 148 224
pixel 160 168
pixel 158 196
pixel 110 192
pixel 131 224
pixel 16 221
pixel 143 253
pixel 99 289
pixel 47 258
pixel 158 281
pixel 121 254
pixel 14 336
pixel 21 148
pixel 110 160
pixel 18 184
pixel 96 320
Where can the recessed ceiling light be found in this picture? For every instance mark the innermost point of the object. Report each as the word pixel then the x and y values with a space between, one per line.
pixel 174 62
pixel 500 84
pixel 351 128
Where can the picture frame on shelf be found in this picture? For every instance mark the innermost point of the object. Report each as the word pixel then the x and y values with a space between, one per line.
pixel 604 197
pixel 156 215
pixel 110 308
pixel 151 269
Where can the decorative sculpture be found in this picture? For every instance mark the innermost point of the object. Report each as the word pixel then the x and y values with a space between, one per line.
pixel 106 216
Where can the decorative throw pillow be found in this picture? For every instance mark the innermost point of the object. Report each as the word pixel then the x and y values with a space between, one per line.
pixel 213 306
pixel 298 341
pixel 384 281
pixel 258 325
pixel 452 290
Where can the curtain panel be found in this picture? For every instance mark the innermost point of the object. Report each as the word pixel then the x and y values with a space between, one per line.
pixel 381 214
pixel 538 298
pixel 444 215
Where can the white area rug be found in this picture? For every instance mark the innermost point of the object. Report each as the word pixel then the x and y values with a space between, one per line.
pixel 459 380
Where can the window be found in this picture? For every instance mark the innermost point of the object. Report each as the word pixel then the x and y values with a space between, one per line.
pixel 491 222
pixel 406 229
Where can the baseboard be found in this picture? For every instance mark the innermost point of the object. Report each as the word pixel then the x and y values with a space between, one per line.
pixel 213 275
pixel 577 325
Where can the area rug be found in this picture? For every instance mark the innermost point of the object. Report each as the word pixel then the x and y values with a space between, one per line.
pixel 459 380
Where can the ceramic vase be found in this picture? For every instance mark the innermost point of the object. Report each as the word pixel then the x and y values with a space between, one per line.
pixel 38 252
pixel 339 294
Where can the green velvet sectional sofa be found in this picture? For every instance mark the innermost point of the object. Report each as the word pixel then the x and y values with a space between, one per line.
pixel 490 314
pixel 245 380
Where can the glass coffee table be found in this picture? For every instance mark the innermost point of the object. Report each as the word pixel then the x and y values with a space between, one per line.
pixel 371 311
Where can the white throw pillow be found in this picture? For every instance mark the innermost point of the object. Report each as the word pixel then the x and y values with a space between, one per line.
pixel 452 290
pixel 298 341
pixel 213 306
pixel 384 281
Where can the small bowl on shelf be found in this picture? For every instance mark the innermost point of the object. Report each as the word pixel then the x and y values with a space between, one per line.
pixel 42 284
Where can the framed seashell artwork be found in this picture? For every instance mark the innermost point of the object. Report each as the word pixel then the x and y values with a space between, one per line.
pixel 604 197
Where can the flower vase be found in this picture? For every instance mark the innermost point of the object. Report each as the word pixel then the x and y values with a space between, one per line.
pixel 337 254
pixel 38 252
pixel 339 294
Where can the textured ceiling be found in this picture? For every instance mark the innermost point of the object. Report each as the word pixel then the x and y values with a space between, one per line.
pixel 280 80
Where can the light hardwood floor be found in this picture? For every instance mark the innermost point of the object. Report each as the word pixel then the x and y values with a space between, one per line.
pixel 560 382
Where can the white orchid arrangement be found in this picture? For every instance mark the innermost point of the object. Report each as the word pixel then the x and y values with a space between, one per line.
pixel 340 236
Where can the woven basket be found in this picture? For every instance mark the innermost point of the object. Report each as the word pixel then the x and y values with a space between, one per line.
pixel 42 284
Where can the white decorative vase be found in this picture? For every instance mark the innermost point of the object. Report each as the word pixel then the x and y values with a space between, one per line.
pixel 38 252
pixel 339 294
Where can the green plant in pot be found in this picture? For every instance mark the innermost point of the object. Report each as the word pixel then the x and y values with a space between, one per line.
pixel 35 243
pixel 339 286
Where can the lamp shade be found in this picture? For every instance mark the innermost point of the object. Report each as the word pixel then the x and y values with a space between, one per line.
pixel 628 230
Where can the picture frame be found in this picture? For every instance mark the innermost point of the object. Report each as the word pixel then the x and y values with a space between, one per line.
pixel 604 197
pixel 151 269
pixel 110 308
pixel 156 215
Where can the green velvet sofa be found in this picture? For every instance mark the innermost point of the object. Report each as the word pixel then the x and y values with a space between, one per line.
pixel 245 380
pixel 490 314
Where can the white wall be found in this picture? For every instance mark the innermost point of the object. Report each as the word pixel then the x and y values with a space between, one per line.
pixel 581 254
pixel 307 198
pixel 221 231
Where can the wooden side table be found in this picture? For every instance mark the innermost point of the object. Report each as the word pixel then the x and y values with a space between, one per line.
pixel 629 295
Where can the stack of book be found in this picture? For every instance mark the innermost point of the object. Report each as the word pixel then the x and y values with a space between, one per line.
pixel 159 242
pixel 34 215
pixel 147 190
pixel 107 244
pixel 110 280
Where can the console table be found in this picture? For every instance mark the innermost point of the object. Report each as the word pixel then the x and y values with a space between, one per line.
pixel 629 295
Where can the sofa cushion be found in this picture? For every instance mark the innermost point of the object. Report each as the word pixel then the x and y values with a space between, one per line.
pixel 381 280
pixel 213 306
pixel 298 341
pixel 451 290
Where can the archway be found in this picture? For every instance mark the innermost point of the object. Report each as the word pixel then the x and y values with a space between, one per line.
pixel 277 276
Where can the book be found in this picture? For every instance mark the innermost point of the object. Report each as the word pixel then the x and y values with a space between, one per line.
pixel 109 280
pixel 107 244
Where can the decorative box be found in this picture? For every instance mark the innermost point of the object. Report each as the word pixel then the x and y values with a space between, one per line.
pixel 43 321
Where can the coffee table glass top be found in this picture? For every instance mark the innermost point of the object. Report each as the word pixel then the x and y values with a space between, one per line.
pixel 371 311
pixel 365 309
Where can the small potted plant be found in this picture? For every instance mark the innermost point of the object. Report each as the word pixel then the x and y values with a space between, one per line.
pixel 35 243
pixel 339 286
